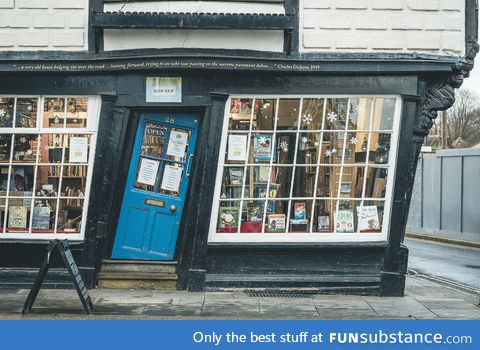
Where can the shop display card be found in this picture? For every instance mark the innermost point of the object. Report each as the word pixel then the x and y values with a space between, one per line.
pixel 236 176
pixel 324 223
pixel 164 89
pixel 228 217
pixel 255 213
pixel 41 218
pixel 299 214
pixel 172 176
pixel 368 219
pixel 17 217
pixel 276 222
pixel 262 148
pixel 344 221
pixel 237 147
pixel 147 174
pixel 177 143
pixel 78 152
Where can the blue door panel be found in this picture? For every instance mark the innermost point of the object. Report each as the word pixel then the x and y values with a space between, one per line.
pixel 150 216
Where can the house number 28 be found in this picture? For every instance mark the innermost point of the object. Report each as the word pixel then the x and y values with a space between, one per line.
pixel 170 120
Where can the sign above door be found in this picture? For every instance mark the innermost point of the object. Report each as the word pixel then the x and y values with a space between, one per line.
pixel 164 89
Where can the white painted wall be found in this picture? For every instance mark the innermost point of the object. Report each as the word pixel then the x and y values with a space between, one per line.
pixel 27 25
pixel 428 26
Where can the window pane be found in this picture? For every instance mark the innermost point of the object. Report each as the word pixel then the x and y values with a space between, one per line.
pixel 360 111
pixel 77 112
pixel 376 182
pixel 25 148
pixel 327 180
pixel 236 152
pixel 51 148
pixel 333 148
pixel 70 215
pixel 264 115
pixel 288 113
pixel 228 217
pixel 6 112
pixel 18 219
pixel 323 216
pixel 285 148
pixel 304 183
pixel 240 114
pixel 77 148
pixel 74 180
pixel 153 139
pixel 383 114
pixel 5 148
pixel 281 181
pixel 300 212
pixel 26 114
pixel 54 113
pixel 232 182
pixel 44 212
pixel 256 182
pixel 371 216
pixel 261 148
pixel 3 180
pixel 336 117
pixel 312 114
pixel 48 178
pixel 276 220
pixel 21 181
pixel 352 182
pixel 308 146
pixel 346 219
pixel 252 216
pixel 379 148
pixel 357 148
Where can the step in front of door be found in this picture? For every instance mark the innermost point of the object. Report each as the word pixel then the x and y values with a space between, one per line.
pixel 118 274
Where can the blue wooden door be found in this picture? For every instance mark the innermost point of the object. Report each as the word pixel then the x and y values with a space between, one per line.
pixel 156 187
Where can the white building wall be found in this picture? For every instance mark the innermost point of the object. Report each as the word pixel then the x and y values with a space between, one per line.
pixel 33 25
pixel 427 26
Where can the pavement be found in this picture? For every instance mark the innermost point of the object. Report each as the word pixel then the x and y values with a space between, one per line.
pixel 424 299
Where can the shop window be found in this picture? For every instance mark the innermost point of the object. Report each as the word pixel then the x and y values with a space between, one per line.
pixel 306 168
pixel 46 155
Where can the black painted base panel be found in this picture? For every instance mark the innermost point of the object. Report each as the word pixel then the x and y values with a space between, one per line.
pixel 312 283
pixel 23 278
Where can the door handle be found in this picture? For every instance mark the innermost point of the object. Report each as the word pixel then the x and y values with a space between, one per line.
pixel 189 164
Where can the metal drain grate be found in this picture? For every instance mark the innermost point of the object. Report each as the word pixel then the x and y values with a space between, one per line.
pixel 291 295
pixel 9 290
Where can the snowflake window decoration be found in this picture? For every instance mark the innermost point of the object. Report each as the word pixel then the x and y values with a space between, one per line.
pixel 353 140
pixel 56 120
pixel 2 113
pixel 332 116
pixel 308 155
pixel 328 153
pixel 29 152
pixel 334 150
pixel 23 139
pixel 262 140
pixel 284 146
pixel 307 119
pixel 29 108
pixel 316 143
pixel 304 140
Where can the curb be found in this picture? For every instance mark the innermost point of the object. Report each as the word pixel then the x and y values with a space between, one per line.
pixel 441 239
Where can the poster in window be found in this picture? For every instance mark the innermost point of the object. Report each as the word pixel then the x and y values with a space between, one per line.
pixel 147 174
pixel 41 218
pixel 177 143
pixel 78 152
pixel 299 213
pixel 228 217
pixel 172 177
pixel 262 148
pixel 368 219
pixel 17 217
pixel 255 213
pixel 237 148
pixel 276 222
pixel 324 223
pixel 344 221
pixel 236 176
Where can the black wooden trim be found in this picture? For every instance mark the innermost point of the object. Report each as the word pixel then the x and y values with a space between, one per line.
pixel 299 246
pixel 257 1
pixel 173 20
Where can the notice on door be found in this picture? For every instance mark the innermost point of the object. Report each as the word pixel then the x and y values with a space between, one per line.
pixel 177 144
pixel 147 174
pixel 78 150
pixel 171 178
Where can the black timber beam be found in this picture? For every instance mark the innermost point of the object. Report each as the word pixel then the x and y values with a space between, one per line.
pixel 177 20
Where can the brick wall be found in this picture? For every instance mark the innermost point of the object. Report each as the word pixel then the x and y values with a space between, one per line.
pixel 27 25
pixel 428 26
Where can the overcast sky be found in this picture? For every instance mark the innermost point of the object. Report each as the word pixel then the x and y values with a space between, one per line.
pixel 473 82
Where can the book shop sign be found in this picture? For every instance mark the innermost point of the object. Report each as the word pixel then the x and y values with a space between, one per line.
pixel 163 89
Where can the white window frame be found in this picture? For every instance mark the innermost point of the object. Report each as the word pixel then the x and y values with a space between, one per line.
pixel 93 116
pixel 218 237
